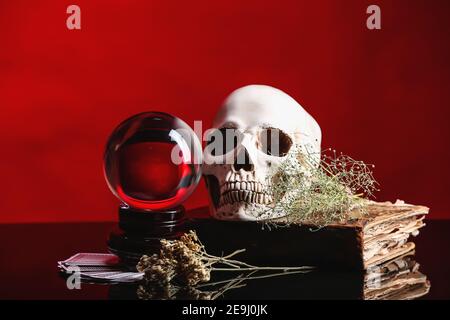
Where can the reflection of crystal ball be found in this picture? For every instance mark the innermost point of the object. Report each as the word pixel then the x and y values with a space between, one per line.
pixel 152 161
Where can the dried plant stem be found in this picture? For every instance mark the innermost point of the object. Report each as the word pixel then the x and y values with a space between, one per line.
pixel 249 277
pixel 207 256
pixel 262 268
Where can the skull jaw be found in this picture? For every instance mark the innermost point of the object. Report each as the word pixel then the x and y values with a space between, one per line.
pixel 236 211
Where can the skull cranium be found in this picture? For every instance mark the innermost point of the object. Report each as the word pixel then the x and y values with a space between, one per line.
pixel 237 173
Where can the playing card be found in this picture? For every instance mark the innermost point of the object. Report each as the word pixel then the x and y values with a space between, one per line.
pixel 98 267
pixel 91 268
pixel 92 259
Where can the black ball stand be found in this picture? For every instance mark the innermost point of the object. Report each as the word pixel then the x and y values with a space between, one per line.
pixel 140 232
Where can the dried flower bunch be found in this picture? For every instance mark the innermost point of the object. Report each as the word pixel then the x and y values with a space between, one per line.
pixel 320 190
pixel 186 262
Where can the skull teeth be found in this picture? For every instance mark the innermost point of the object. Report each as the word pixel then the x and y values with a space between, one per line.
pixel 230 197
pixel 238 189
pixel 243 185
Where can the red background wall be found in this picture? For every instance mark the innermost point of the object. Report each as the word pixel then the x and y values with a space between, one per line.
pixel 380 96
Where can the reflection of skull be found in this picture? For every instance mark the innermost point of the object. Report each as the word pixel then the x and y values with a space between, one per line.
pixel 237 178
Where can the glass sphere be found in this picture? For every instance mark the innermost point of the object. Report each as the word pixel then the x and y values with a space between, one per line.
pixel 152 161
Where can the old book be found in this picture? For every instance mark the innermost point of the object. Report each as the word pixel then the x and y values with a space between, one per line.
pixel 369 237
pixel 398 279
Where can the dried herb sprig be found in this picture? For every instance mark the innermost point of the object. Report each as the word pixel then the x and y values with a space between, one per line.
pixel 185 261
pixel 320 190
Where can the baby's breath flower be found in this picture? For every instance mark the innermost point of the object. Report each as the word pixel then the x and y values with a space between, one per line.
pixel 319 191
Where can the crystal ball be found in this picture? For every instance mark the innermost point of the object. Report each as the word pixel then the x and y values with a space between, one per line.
pixel 152 161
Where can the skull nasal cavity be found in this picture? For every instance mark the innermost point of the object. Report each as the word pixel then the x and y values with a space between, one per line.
pixel 243 161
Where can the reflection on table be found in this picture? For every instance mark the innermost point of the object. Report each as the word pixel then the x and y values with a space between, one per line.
pixel 398 279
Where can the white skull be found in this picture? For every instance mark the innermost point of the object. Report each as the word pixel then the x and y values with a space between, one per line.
pixel 238 188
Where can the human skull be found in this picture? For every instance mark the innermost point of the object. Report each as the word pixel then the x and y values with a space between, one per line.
pixel 238 175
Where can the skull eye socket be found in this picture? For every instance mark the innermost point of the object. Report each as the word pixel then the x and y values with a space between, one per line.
pixel 275 142
pixel 223 140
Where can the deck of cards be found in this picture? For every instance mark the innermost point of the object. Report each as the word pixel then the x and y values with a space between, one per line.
pixel 98 267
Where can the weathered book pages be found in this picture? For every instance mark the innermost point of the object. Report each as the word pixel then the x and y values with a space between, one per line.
pixel 386 229
pixel 378 233
pixel 398 279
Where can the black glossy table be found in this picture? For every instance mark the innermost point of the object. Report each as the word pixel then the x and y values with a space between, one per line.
pixel 29 253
